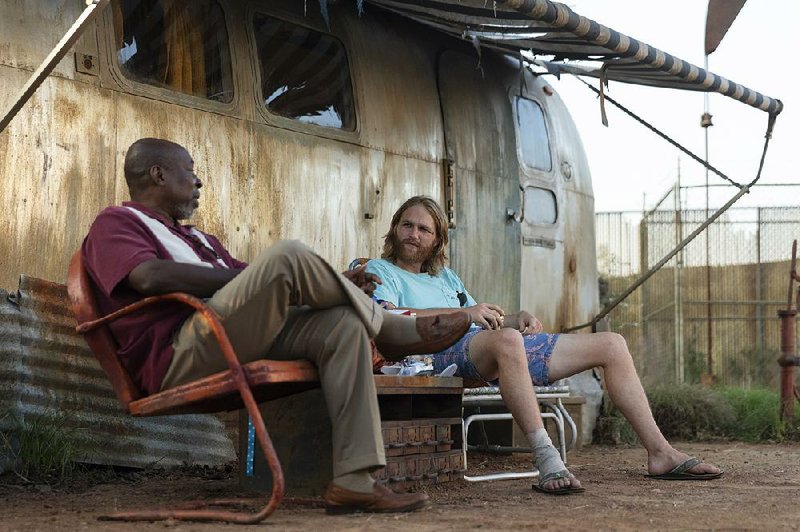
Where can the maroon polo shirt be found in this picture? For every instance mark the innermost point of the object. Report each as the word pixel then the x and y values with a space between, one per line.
pixel 117 242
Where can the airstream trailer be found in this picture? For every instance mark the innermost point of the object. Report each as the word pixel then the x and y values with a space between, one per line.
pixel 303 130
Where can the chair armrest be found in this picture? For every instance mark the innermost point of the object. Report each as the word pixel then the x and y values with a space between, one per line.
pixel 181 297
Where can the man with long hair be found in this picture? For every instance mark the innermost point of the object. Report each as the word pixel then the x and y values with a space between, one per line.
pixel 512 350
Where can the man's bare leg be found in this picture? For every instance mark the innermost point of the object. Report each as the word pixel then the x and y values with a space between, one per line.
pixel 574 353
pixel 502 354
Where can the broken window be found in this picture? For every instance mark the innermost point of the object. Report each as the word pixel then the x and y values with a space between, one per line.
pixel 304 74
pixel 182 46
pixel 532 137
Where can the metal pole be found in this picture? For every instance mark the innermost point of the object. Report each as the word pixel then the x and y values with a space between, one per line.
pixel 759 287
pixel 94 8
pixel 679 374
pixel 788 359
pixel 705 123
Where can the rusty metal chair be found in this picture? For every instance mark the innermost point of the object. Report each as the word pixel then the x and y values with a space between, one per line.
pixel 243 385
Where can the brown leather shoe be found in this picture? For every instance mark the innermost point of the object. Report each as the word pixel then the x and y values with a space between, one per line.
pixel 437 332
pixel 381 500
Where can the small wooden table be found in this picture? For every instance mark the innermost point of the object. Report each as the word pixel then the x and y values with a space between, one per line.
pixel 421 426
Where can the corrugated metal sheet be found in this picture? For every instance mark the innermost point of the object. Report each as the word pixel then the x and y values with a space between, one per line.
pixel 48 373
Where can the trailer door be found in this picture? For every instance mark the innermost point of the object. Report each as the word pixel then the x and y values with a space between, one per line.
pixel 482 157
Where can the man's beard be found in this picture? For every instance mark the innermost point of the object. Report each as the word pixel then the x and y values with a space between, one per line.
pixel 419 256
pixel 185 211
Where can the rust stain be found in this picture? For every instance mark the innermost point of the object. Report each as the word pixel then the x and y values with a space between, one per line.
pixel 67 110
pixel 267 179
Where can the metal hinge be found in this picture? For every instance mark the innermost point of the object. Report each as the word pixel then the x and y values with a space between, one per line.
pixel 450 192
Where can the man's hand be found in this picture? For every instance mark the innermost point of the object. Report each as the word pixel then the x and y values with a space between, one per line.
pixel 526 323
pixel 363 279
pixel 486 315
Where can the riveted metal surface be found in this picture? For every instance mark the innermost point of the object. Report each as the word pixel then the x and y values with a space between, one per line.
pixel 267 179
pixel 47 373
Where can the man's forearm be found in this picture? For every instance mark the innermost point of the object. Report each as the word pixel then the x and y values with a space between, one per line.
pixel 420 312
pixel 156 277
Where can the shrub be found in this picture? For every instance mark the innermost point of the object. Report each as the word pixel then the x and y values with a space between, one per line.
pixel 757 416
pixel 41 449
pixel 693 412
pixel 688 412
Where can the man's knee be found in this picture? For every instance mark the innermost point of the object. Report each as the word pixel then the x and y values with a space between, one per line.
pixel 614 345
pixel 290 249
pixel 284 254
pixel 507 345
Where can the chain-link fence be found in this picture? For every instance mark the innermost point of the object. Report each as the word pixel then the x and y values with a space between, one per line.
pixel 714 305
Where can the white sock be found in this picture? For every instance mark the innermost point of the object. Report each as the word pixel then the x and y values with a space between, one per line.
pixel 547 458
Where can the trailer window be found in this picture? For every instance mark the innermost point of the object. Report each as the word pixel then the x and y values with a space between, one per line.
pixel 181 46
pixel 304 74
pixel 540 206
pixel 534 142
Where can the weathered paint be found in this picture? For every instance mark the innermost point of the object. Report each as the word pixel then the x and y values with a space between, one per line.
pixel 268 178
pixel 48 374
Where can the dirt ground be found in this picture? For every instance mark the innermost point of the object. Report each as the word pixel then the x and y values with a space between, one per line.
pixel 760 490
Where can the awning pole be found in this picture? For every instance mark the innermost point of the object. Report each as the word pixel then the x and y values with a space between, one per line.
pixel 94 7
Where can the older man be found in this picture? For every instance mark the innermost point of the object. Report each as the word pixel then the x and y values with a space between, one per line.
pixel 511 349
pixel 288 304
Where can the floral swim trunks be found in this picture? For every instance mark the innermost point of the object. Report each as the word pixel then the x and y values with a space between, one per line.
pixel 538 349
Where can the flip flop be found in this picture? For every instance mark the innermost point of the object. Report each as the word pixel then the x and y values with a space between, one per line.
pixel 681 472
pixel 560 491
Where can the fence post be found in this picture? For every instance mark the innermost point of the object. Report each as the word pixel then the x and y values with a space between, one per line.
pixel 760 326
pixel 679 370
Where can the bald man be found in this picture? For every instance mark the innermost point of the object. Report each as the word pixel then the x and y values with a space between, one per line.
pixel 288 304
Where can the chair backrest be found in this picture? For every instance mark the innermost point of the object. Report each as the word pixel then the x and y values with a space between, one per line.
pixel 100 340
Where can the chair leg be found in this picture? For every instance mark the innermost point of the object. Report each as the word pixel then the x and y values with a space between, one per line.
pixel 194 514
pixel 201 511
pixel 498 476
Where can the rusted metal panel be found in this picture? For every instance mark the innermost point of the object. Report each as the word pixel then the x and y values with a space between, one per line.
pixel 399 106
pixel 61 160
pixel 47 373
pixel 21 20
pixel 485 244
pixel 559 283
pixel 58 171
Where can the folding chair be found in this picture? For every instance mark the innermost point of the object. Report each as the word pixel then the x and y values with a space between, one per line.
pixel 243 385
pixel 489 396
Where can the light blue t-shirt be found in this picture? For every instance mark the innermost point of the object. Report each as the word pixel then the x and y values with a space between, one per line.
pixel 418 290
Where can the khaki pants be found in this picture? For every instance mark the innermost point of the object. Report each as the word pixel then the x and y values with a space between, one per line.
pixel 291 304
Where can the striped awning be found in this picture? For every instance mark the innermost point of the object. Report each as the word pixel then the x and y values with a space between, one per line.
pixel 563 41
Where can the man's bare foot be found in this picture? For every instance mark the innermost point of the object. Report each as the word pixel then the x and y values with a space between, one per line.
pixel 660 463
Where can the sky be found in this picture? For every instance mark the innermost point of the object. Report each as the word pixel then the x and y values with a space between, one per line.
pixel 627 157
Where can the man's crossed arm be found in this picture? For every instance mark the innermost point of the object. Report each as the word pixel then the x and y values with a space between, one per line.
pixel 489 316
pixel 160 276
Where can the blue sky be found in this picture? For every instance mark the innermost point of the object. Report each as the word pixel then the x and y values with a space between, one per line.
pixel 627 157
